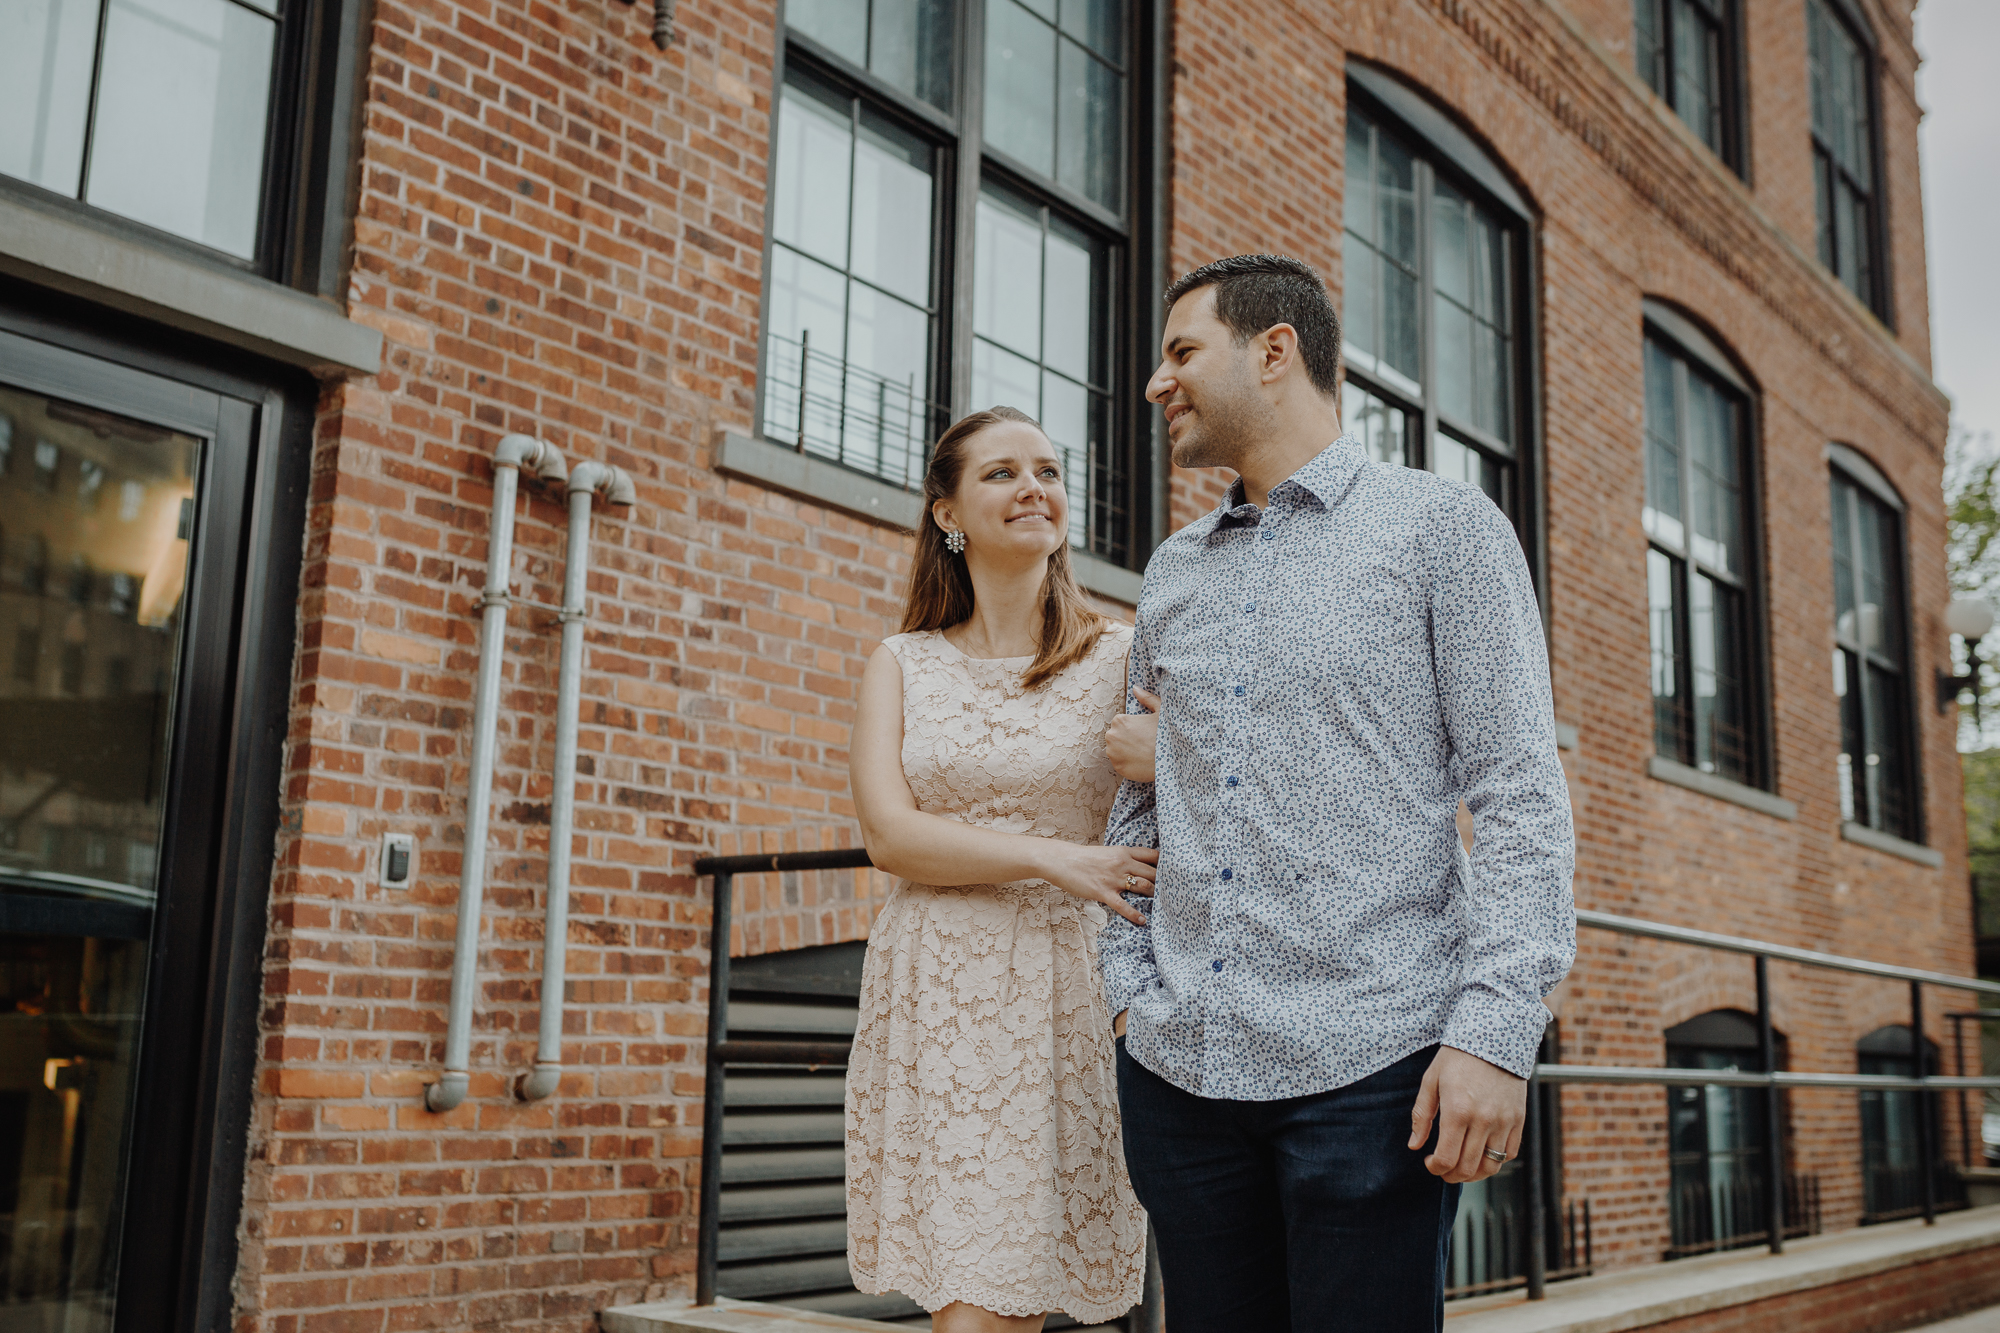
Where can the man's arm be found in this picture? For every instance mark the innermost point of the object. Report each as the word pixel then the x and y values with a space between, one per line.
pixel 1493 689
pixel 1124 950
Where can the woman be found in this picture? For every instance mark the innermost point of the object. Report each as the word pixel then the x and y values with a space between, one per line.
pixel 985 1173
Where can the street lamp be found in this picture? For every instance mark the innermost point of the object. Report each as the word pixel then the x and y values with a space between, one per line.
pixel 1971 618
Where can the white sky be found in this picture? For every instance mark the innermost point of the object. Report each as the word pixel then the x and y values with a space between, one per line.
pixel 1959 87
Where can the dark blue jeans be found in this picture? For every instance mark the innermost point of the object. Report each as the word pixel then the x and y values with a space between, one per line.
pixel 1306 1214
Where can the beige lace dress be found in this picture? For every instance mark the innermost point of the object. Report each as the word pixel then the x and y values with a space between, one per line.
pixel 984 1162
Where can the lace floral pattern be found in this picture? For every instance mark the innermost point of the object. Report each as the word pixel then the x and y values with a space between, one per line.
pixel 984 1162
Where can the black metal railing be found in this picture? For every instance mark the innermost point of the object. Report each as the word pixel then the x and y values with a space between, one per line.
pixel 1773 1080
pixel 1489 1247
pixel 1729 1214
pixel 1792 1201
pixel 822 404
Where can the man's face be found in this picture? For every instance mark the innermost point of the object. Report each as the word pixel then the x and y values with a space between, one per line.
pixel 1209 386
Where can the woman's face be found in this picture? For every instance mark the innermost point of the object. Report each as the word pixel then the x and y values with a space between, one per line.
pixel 1010 502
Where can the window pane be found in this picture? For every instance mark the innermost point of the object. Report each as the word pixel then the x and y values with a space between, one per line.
pixel 1845 624
pixel 839 25
pixel 1469 270
pixel 46 51
pixel 1670 721
pixel 809 206
pixel 182 111
pixel 892 212
pixel 1881 579
pixel 1382 428
pixel 910 47
pixel 1663 451
pixel 1070 306
pixel 1891 795
pixel 1020 85
pixel 1717 649
pixel 1697 96
pixel 1852 798
pixel 1098 24
pixel 1089 159
pixel 881 414
pixel 1066 416
pixel 808 316
pixel 84 731
pixel 1649 43
pixel 1000 377
pixel 1715 477
pixel 1380 250
pixel 1007 268
pixel 1853 262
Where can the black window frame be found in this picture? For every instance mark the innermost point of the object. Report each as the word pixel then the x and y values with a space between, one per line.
pixel 1731 134
pixel 1695 351
pixel 1878 297
pixel 312 156
pixel 1865 482
pixel 1440 146
pixel 1720 1039
pixel 965 163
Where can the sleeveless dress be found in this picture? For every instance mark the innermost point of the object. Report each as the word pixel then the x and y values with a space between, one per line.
pixel 984 1160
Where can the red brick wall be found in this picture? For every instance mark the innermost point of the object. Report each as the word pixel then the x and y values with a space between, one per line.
pixel 1912 1297
pixel 560 232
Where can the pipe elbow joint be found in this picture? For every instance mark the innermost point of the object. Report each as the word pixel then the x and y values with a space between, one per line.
pixel 448 1091
pixel 525 451
pixel 540 1083
pixel 613 483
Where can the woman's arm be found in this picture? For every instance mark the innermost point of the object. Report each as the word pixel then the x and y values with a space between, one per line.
pixel 931 849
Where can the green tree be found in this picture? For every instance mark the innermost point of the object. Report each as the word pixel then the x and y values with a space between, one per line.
pixel 1972 555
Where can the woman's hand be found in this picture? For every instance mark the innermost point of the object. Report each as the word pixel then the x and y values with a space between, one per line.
pixel 1104 875
pixel 1129 739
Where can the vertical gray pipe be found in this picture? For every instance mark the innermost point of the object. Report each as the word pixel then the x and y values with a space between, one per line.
pixel 585 480
pixel 512 454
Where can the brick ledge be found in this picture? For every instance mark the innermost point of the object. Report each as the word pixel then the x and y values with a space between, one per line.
pixel 1635 1298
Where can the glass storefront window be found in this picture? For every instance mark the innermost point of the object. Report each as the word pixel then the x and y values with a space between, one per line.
pixel 84 714
pixel 176 136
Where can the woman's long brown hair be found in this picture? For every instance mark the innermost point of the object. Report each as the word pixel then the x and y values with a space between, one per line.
pixel 941 588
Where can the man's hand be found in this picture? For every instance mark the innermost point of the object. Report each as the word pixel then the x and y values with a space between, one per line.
pixel 1477 1106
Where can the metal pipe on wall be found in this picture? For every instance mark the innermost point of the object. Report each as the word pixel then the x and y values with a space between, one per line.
pixel 513 453
pixel 585 480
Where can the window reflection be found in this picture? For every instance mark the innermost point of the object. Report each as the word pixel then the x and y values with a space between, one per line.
pixel 1055 92
pixel 1875 763
pixel 84 714
pixel 849 329
pixel 905 43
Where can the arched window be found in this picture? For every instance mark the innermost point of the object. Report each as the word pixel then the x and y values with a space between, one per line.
pixel 1719 1144
pixel 1435 261
pixel 1892 1156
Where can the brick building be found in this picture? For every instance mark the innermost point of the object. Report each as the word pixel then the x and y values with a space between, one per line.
pixel 1651 272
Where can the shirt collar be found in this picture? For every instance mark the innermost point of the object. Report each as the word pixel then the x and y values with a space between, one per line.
pixel 1324 477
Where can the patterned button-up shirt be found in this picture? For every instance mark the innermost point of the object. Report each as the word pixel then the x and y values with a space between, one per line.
pixel 1338 671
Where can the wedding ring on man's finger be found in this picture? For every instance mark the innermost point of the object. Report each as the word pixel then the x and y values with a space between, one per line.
pixel 1495 1155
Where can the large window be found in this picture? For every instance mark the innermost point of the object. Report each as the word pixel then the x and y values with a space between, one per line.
pixel 1719 1154
pixel 919 272
pixel 1870 677
pixel 1893 1133
pixel 1687 52
pixel 1843 145
pixel 1700 561
pixel 1432 284
pixel 156 110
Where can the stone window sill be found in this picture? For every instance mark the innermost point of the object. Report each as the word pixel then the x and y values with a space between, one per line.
pixel 1680 775
pixel 823 482
pixel 1863 836
pixel 50 248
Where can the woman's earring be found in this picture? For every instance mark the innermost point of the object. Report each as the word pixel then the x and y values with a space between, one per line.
pixel 955 542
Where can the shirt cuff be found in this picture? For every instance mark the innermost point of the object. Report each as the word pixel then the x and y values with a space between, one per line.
pixel 1504 1033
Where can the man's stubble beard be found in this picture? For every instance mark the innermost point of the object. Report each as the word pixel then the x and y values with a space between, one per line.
pixel 1225 427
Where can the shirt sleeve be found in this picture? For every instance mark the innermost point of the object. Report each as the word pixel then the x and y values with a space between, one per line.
pixel 1493 688
pixel 1125 951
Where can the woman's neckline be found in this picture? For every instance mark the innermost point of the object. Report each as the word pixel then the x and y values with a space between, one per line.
pixel 944 639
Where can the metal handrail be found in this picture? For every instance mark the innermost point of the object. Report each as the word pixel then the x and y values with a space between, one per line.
pixel 722 1052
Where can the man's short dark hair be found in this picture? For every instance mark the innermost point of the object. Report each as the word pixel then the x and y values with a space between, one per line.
pixel 1254 292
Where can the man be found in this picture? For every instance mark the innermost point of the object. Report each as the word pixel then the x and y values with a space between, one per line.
pixel 1328 1025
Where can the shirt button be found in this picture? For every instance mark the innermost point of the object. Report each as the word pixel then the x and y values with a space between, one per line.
pixel 1251 609
pixel 1215 966
pixel 1239 691
pixel 1229 782
pixel 1229 874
